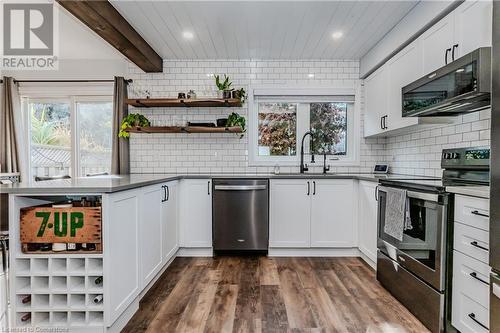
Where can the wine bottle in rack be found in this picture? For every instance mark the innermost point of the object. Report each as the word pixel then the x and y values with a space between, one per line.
pixel 98 281
pixel 26 299
pixel 26 317
pixel 98 299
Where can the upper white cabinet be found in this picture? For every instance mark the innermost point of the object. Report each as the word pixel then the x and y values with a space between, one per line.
pixel 437 44
pixel 312 213
pixel 196 213
pixel 332 213
pixel 473 22
pixel 367 218
pixel 465 29
pixel 376 102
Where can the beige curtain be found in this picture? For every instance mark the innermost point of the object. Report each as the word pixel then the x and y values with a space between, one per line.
pixel 120 163
pixel 10 158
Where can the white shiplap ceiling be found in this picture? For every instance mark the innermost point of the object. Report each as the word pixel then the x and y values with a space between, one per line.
pixel 263 29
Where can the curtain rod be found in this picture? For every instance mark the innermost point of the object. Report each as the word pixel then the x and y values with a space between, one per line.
pixel 65 81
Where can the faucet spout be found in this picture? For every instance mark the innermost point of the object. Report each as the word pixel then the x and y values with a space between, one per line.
pixel 303 167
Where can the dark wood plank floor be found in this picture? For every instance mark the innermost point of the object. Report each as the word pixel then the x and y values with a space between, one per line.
pixel 262 294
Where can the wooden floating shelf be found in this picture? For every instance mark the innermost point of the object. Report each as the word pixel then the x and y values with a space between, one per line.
pixel 179 103
pixel 184 129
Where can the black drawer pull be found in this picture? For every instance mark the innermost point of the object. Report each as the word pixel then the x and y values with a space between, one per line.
pixel 474 275
pixel 475 212
pixel 475 244
pixel 473 317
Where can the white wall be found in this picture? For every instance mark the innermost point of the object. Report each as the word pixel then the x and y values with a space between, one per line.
pixel 215 153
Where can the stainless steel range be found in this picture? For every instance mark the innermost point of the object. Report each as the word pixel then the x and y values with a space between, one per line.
pixel 412 253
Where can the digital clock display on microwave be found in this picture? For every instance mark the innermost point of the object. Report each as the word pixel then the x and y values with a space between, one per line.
pixel 477 154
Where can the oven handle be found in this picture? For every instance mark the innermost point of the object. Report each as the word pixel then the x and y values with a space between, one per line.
pixel 418 195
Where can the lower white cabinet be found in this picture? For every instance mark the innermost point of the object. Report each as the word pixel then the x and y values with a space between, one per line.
pixel 367 219
pixel 308 213
pixel 290 213
pixel 170 221
pixel 121 250
pixel 196 213
pixel 332 213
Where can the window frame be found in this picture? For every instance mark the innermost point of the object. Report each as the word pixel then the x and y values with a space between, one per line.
pixel 307 95
pixel 72 101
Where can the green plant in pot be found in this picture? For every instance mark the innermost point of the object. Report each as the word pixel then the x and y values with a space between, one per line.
pixel 132 120
pixel 240 94
pixel 224 86
pixel 235 119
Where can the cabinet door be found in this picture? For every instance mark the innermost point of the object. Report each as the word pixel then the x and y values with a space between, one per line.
pixel 151 232
pixel 404 68
pixel 376 102
pixel 332 222
pixel 121 251
pixel 196 213
pixel 367 224
pixel 435 41
pixel 170 232
pixel 473 26
pixel 290 207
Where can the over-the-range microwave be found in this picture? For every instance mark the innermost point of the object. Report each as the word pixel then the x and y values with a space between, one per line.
pixel 461 86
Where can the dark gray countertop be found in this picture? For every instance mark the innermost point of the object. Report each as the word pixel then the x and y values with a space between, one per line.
pixel 108 184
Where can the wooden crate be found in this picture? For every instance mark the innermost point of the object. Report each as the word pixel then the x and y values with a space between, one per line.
pixel 46 224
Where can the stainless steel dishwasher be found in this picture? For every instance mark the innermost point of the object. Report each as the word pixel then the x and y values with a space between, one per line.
pixel 240 215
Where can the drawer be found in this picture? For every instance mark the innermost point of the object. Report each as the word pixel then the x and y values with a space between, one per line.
pixel 472 211
pixel 468 316
pixel 471 277
pixel 471 241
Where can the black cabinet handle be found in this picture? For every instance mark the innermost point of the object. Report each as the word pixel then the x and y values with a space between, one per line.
pixel 473 317
pixel 453 52
pixel 381 122
pixel 376 193
pixel 168 193
pixel 314 187
pixel 385 122
pixel 308 188
pixel 446 56
pixel 474 243
pixel 475 212
pixel 208 187
pixel 474 275
pixel 163 199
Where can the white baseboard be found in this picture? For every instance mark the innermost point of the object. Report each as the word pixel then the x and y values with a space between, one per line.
pixel 124 318
pixel 195 252
pixel 315 252
pixel 368 260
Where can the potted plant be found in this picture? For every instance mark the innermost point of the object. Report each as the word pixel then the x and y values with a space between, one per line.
pixel 132 120
pixel 224 86
pixel 235 119
pixel 240 94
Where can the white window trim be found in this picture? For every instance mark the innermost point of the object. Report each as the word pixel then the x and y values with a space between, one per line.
pixel 353 142
pixel 72 100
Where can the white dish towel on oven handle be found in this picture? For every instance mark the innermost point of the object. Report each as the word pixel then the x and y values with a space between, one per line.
pixel 395 213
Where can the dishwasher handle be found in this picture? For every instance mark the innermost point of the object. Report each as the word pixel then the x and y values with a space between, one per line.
pixel 239 187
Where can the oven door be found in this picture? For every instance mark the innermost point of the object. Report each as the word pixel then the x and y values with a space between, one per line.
pixel 422 250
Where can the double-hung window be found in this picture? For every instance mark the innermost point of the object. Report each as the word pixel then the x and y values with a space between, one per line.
pixel 68 135
pixel 279 119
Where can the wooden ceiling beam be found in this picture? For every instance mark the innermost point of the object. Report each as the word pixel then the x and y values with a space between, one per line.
pixel 107 22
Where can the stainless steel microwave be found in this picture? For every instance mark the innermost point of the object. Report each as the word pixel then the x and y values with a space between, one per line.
pixel 462 86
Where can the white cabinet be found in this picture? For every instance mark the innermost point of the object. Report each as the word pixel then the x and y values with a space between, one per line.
pixel 312 213
pixel 196 213
pixel 332 222
pixel 150 232
pixel 403 69
pixel 376 102
pixel 290 213
pixel 437 44
pixel 121 250
pixel 473 22
pixel 367 222
pixel 170 229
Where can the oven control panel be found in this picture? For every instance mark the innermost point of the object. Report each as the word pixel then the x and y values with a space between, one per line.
pixel 463 158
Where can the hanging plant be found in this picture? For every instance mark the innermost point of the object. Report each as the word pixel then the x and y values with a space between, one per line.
pixel 132 120
pixel 235 119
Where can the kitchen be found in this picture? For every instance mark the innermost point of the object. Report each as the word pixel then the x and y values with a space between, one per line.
pixel 247 172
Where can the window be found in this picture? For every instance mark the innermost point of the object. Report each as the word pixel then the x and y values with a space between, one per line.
pixel 69 136
pixel 278 122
